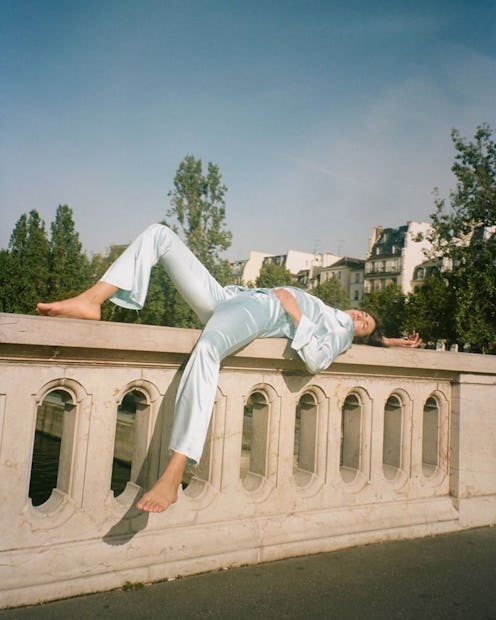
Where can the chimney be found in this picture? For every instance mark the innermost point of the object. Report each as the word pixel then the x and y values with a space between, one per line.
pixel 376 233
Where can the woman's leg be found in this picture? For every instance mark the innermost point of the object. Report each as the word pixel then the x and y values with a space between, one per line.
pixel 126 281
pixel 233 325
pixel 131 272
pixel 84 306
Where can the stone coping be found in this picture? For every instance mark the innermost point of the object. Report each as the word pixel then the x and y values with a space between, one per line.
pixel 72 334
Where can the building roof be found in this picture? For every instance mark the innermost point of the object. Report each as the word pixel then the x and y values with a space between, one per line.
pixel 346 261
pixel 389 241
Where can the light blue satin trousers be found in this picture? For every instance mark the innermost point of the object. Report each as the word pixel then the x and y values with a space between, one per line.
pixel 232 318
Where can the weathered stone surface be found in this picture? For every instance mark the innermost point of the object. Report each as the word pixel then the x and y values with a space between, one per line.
pixel 84 539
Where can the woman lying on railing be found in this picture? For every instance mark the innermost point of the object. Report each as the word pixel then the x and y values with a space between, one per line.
pixel 233 316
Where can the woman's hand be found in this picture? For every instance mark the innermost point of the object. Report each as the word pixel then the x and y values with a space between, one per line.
pixel 413 341
pixel 290 305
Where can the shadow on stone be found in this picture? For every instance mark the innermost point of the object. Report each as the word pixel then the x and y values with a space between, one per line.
pixel 295 380
pixel 134 520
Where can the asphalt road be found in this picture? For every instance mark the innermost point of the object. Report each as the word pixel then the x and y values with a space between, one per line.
pixel 446 577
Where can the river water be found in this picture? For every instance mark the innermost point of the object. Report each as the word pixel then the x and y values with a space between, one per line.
pixel 45 467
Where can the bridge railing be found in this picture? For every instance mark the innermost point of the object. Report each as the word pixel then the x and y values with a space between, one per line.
pixel 387 443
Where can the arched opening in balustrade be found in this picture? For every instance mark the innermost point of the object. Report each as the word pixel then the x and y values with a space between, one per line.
pixel 305 438
pixel 351 437
pixel 197 478
pixel 392 437
pixel 431 424
pixel 51 464
pixel 130 442
pixel 254 442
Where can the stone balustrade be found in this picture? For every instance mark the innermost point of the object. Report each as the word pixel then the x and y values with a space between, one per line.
pixel 386 444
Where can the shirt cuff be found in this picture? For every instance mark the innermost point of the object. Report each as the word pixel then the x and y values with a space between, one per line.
pixel 303 333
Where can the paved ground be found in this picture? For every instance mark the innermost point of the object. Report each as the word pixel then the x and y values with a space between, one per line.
pixel 446 577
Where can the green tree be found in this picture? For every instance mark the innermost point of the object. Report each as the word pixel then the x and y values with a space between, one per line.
pixel 464 237
pixel 197 214
pixel 272 275
pixel 332 293
pixel 388 306
pixel 69 265
pixel 430 310
pixel 29 263
pixel 8 277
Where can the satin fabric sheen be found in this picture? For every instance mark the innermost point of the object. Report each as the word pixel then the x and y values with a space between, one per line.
pixel 233 316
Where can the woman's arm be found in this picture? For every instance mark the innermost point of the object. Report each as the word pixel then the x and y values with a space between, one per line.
pixel 317 352
pixel 290 305
pixel 412 341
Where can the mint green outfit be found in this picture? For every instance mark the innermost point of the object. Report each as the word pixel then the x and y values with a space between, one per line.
pixel 233 316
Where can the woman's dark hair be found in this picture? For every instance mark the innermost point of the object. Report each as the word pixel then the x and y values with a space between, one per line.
pixel 375 338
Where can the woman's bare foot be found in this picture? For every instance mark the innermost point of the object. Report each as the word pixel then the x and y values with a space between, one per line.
pixel 159 497
pixel 84 306
pixel 73 308
pixel 164 491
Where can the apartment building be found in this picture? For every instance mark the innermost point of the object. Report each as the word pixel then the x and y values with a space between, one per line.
pixel 394 253
pixel 425 270
pixel 296 261
pixel 247 271
pixel 349 273
pixel 302 265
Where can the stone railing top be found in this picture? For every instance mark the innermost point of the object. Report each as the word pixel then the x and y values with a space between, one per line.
pixel 23 332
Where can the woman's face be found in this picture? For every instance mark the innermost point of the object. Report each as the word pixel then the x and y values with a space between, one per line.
pixel 364 323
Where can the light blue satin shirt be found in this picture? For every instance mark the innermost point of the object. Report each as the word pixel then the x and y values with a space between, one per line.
pixel 322 334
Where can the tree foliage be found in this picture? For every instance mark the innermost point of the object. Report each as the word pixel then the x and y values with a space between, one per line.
pixel 8 278
pixel 27 265
pixel 464 237
pixel 35 268
pixel 388 306
pixel 69 265
pixel 430 310
pixel 272 275
pixel 332 293
pixel 197 213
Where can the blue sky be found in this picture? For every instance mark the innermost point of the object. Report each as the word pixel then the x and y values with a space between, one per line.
pixel 325 118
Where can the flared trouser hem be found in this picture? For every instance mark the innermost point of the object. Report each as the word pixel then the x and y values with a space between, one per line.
pixel 233 319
